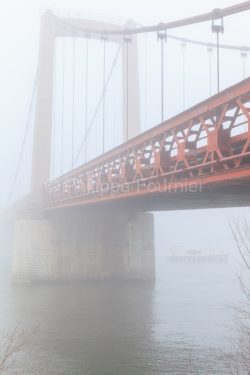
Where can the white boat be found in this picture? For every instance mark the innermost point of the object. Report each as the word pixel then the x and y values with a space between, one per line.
pixel 196 256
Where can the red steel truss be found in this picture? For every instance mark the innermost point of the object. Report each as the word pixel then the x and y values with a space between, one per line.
pixel 207 145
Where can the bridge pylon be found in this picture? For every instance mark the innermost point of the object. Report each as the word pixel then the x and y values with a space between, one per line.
pixel 41 157
pixel 52 27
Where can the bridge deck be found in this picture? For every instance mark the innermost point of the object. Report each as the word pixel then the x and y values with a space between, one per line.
pixel 201 153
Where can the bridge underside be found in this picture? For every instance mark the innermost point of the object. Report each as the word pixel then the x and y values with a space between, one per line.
pixel 218 198
pixel 190 197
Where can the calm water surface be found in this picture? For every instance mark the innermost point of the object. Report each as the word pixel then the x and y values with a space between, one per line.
pixel 126 329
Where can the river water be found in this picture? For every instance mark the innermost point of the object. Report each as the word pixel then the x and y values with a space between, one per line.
pixel 177 326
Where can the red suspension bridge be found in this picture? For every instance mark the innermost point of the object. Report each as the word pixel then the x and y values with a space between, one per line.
pixel 203 147
pixel 199 157
pixel 206 147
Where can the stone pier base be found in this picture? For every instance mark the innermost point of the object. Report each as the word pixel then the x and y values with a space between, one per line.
pixel 83 247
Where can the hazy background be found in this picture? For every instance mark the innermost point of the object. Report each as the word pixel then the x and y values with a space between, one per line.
pixel 19 37
pixel 131 329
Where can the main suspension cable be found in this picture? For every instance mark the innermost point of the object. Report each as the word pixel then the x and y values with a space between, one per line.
pixel 208 44
pixel 27 127
pixel 216 13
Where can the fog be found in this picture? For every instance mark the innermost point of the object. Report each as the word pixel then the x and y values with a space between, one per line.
pixel 84 329
pixel 19 52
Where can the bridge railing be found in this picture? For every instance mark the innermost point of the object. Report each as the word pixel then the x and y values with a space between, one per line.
pixel 207 144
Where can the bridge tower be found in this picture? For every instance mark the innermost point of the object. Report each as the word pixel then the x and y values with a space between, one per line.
pixel 41 158
pixel 52 27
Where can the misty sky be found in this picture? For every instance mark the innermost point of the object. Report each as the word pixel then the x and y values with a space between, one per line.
pixel 19 32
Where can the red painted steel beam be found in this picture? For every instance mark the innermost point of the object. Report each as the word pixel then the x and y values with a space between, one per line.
pixel 220 179
pixel 207 145
pixel 199 109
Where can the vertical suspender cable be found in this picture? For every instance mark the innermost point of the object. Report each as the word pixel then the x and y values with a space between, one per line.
pixel 127 87
pixel 73 102
pixel 99 104
pixel 54 118
pixel 218 28
pixel 244 56
pixel 127 40
pixel 62 119
pixel 86 97
pixel 162 36
pixel 114 89
pixel 183 46
pixel 104 93
pixel 162 80
pixel 146 81
pixel 210 51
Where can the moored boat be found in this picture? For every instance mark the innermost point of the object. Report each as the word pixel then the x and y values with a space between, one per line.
pixel 196 256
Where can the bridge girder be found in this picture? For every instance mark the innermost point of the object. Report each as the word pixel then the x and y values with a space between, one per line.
pixel 203 148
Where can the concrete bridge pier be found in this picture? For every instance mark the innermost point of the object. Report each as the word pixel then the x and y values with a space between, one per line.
pixel 67 247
